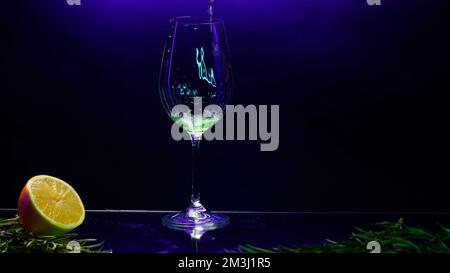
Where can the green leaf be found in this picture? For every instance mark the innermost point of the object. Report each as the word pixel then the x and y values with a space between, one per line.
pixel 15 238
pixel 394 237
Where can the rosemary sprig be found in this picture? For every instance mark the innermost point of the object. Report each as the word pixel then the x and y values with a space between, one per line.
pixel 394 237
pixel 15 238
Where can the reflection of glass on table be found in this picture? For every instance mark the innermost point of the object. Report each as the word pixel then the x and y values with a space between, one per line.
pixel 142 231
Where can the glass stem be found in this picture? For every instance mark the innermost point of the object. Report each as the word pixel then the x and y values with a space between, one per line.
pixel 196 243
pixel 195 195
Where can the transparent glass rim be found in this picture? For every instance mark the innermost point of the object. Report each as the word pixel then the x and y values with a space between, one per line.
pixel 195 21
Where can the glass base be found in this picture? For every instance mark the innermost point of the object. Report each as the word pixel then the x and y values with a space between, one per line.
pixel 195 217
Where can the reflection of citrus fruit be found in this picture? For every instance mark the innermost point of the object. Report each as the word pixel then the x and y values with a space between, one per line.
pixel 50 206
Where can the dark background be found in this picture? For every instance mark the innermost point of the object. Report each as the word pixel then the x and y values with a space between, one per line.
pixel 361 89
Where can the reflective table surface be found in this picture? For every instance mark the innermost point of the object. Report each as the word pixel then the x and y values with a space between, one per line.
pixel 143 232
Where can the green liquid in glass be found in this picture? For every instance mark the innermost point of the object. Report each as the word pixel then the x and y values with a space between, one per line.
pixel 201 124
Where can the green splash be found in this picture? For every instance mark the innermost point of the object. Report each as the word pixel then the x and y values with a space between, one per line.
pixel 184 89
pixel 203 72
pixel 202 124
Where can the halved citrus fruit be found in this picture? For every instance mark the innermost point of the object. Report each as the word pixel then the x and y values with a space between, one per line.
pixel 50 206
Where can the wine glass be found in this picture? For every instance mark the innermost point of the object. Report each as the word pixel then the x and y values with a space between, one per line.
pixel 195 72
